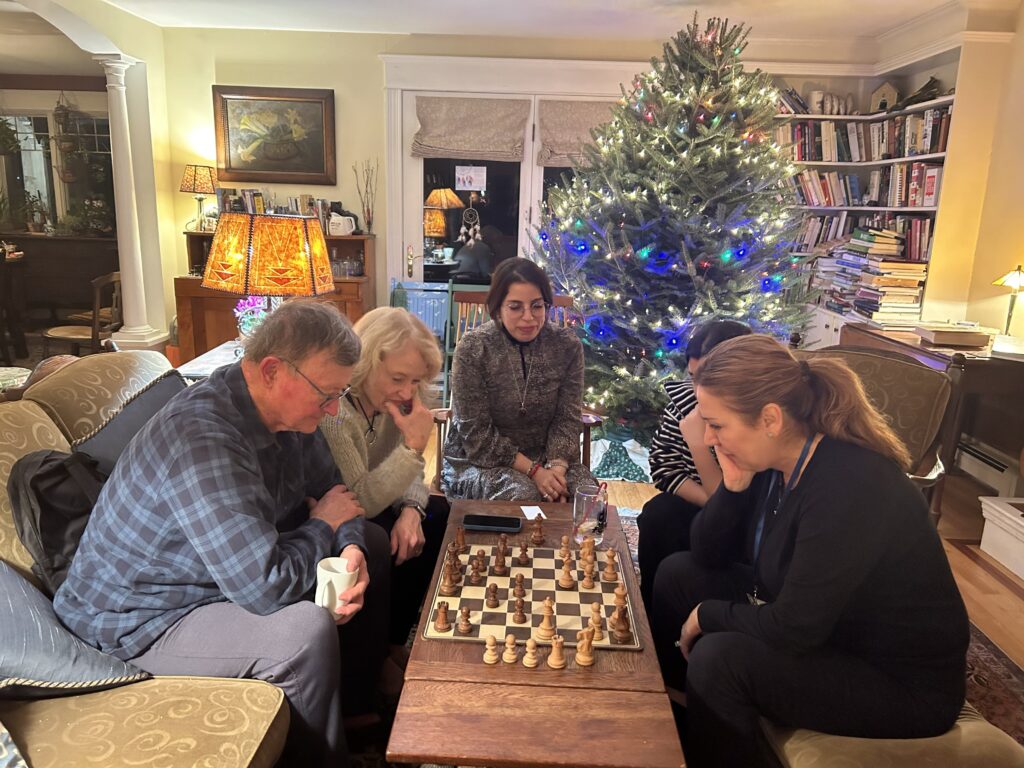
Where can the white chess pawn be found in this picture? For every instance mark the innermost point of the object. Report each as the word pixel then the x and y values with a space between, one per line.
pixel 491 654
pixel 530 657
pixel 511 654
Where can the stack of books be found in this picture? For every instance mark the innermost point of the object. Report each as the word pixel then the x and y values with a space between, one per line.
pixel 888 293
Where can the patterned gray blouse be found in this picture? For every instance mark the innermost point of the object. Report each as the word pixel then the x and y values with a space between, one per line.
pixel 494 415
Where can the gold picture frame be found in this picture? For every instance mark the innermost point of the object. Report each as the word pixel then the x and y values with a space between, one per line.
pixel 282 135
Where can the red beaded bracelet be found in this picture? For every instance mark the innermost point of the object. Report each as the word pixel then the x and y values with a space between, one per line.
pixel 533 470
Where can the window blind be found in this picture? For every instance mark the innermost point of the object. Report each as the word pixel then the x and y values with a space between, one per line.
pixel 474 129
pixel 565 128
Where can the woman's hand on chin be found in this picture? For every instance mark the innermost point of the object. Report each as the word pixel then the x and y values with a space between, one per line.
pixel 415 426
pixel 734 478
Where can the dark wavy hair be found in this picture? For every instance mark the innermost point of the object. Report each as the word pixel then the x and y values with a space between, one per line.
pixel 516 270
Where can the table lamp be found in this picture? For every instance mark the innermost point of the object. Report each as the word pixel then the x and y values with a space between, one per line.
pixel 200 180
pixel 271 255
pixel 1012 280
pixel 435 224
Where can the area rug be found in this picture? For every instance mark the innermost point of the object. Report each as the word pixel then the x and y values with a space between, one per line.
pixel 995 684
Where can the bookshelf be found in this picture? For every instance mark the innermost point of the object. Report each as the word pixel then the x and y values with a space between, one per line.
pixel 881 171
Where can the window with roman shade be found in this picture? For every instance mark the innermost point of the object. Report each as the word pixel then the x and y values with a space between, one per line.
pixel 565 128
pixel 471 129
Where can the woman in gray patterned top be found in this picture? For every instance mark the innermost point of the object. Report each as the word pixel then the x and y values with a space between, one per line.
pixel 517 390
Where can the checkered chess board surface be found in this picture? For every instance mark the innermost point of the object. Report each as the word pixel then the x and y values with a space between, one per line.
pixel 540 580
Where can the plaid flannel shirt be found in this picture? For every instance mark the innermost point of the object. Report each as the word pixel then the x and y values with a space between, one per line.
pixel 205 505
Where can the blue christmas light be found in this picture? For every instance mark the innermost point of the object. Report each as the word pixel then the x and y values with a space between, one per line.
pixel 544 236
pixel 767 285
pixel 581 246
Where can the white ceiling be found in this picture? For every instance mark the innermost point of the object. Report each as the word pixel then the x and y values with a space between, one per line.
pixel 591 19
pixel 23 34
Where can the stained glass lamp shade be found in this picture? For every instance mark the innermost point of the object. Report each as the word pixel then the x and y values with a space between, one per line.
pixel 268 255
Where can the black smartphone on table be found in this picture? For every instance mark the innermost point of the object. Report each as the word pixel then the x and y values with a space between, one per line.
pixel 495 523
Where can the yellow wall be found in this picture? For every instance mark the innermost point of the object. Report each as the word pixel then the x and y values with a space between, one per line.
pixel 979 88
pixel 349 64
pixel 1000 245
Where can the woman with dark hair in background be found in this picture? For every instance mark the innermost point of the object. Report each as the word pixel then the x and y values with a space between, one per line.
pixel 682 467
pixel 517 391
pixel 816 592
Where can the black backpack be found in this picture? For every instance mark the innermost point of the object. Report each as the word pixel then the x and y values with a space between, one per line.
pixel 52 494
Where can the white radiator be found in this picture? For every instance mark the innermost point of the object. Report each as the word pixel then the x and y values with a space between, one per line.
pixel 991 467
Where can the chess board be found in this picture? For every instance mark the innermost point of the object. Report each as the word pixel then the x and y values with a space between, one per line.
pixel 540 579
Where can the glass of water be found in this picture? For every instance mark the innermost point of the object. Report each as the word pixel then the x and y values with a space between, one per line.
pixel 589 513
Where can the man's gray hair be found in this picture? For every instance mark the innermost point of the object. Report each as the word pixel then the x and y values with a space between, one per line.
pixel 303 327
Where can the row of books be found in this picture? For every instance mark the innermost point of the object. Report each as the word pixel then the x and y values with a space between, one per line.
pixel 906 186
pixel 819 233
pixel 857 141
pixel 240 200
pixel 826 190
pixel 913 185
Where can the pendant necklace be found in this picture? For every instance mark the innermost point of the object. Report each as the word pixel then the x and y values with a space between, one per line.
pixel 526 383
pixel 371 434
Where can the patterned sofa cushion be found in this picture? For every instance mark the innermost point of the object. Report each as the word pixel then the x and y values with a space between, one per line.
pixel 172 721
pixel 972 742
pixel 24 428
pixel 42 658
pixel 80 397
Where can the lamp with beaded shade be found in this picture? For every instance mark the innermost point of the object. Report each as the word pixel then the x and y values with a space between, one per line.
pixel 268 255
pixel 200 181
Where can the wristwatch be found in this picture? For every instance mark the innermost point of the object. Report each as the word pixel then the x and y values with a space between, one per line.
pixel 418 507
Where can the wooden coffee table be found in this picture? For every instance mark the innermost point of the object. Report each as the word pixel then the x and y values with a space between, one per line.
pixel 457 710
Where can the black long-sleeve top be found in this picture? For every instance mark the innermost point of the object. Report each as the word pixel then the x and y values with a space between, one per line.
pixel 850 561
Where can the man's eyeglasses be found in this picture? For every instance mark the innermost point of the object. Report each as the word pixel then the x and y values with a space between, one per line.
pixel 327 399
pixel 538 307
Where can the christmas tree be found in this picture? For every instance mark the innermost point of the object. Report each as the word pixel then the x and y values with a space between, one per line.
pixel 680 210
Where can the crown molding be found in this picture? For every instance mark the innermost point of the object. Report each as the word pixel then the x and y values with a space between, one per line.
pixel 987 37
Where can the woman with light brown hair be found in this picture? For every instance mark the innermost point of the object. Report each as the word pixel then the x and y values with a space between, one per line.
pixel 377 439
pixel 816 593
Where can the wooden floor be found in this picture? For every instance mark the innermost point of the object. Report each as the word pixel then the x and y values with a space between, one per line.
pixel 993 595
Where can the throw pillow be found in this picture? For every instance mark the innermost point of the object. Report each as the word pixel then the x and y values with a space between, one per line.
pixel 106 443
pixel 41 658
pixel 10 757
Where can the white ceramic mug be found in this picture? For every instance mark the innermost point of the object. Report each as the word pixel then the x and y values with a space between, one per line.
pixel 332 578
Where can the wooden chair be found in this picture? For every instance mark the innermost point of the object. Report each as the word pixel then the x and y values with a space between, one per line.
pixel 468 311
pixel 916 400
pixel 102 324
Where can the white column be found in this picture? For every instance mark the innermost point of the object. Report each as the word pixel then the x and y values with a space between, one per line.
pixel 136 331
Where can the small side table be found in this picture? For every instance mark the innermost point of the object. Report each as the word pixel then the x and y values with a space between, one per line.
pixel 1003 535
pixel 200 367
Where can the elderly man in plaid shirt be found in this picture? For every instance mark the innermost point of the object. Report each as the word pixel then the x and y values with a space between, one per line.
pixel 204 542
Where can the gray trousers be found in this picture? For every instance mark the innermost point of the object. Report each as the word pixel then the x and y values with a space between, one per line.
pixel 297 649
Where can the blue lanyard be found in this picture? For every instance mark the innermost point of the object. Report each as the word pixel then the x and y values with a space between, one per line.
pixel 767 502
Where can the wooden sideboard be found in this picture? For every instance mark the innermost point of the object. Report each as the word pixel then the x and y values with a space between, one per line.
pixel 206 318
pixel 58 270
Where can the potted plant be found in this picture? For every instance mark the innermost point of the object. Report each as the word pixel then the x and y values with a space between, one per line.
pixel 9 144
pixel 35 211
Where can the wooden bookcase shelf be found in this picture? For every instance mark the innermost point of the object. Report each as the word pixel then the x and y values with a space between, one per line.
pixel 825 324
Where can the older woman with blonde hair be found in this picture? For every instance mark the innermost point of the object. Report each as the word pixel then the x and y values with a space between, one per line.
pixel 816 592
pixel 377 440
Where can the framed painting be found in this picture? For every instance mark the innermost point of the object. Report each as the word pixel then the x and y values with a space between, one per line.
pixel 283 135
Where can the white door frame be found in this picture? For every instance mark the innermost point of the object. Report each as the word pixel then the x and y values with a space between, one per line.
pixel 465 76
